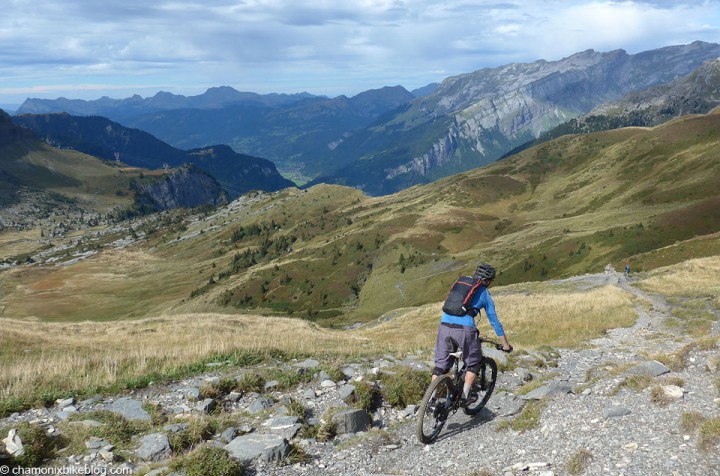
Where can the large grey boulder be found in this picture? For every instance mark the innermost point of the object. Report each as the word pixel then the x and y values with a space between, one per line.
pixel 351 421
pixel 649 368
pixel 547 391
pixel 497 355
pixel 258 446
pixel 260 405
pixel 129 409
pixel 285 426
pixel 154 447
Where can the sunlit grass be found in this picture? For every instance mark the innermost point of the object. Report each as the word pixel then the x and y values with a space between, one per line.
pixel 694 278
pixel 43 360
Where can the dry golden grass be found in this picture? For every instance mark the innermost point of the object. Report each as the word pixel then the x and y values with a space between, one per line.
pixel 74 357
pixel 559 319
pixel 697 277
pixel 77 356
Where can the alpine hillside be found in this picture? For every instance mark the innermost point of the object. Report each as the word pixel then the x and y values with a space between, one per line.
pixel 49 194
pixel 100 137
pixel 648 196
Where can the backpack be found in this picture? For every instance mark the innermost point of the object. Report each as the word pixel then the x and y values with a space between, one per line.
pixel 460 296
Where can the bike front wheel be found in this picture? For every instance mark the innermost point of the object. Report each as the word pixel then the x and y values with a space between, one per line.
pixel 434 409
pixel 483 389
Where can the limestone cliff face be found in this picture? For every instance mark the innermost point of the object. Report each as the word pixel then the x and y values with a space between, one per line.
pixel 186 187
pixel 495 110
pixel 697 93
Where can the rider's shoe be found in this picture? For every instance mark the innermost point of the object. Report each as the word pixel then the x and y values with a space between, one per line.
pixel 470 399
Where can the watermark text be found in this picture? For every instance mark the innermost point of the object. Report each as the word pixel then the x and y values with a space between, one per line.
pixel 64 470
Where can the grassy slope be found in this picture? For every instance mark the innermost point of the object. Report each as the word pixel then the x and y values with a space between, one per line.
pixel 45 360
pixel 566 207
pixel 70 173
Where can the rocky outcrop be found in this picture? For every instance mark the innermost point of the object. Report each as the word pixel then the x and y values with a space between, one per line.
pixel 697 93
pixel 186 187
pixel 521 101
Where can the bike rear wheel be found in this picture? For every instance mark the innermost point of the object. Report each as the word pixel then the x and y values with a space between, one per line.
pixel 483 393
pixel 434 409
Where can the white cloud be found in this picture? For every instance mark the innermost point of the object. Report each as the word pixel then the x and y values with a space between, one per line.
pixel 324 46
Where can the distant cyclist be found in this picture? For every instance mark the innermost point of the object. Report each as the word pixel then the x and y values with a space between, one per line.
pixel 463 331
pixel 627 270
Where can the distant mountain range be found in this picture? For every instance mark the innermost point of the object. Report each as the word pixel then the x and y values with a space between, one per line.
pixel 297 132
pixel 100 137
pixel 118 109
pixel 474 119
pixel 385 140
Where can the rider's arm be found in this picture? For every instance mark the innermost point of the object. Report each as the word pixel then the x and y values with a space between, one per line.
pixel 485 301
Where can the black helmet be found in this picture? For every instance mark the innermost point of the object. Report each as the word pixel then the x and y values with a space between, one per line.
pixel 485 271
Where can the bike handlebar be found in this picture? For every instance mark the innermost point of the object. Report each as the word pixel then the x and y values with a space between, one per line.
pixel 500 347
pixel 497 345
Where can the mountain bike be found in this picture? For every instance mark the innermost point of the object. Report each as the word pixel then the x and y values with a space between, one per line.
pixel 444 395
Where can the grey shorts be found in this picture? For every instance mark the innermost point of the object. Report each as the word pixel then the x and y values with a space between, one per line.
pixel 466 338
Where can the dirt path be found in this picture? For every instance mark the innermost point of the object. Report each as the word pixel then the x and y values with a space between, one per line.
pixel 616 425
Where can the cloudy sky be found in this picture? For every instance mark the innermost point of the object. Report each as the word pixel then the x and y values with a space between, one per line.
pixel 89 48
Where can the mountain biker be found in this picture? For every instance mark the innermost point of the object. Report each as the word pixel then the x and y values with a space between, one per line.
pixel 463 331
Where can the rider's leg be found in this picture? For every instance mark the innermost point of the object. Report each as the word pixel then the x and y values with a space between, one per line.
pixel 469 381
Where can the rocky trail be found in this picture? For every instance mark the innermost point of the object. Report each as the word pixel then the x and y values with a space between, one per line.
pixel 608 408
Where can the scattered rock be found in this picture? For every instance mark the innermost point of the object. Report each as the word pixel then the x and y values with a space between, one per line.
pixel 207 405
pixel 308 364
pixel 672 392
pixel 546 391
pixel 351 421
pixel 650 368
pixel 95 443
pixel 615 411
pixel 229 434
pixel 176 427
pixel 260 405
pixel 713 363
pixel 346 391
pixel 62 403
pixel 154 447
pixel 13 444
pixel 266 447
pixel 129 409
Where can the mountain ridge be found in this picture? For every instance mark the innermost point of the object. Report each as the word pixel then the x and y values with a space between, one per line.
pixel 473 119
pixel 117 109
pixel 101 137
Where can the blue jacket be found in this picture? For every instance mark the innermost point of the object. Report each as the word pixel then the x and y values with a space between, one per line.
pixel 481 300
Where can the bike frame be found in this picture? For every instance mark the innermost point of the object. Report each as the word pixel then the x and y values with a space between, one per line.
pixel 443 397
